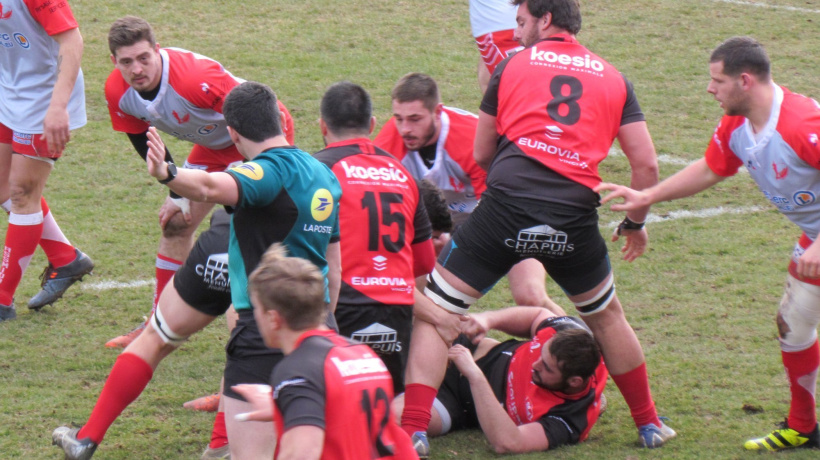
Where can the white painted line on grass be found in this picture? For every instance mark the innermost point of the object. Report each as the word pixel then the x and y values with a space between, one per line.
pixel 767 5
pixel 699 214
pixel 108 285
pixel 667 159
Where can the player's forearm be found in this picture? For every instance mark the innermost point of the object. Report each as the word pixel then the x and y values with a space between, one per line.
pixel 486 141
pixel 69 57
pixel 334 273
pixel 202 186
pixel 517 321
pixel 692 179
pixel 496 424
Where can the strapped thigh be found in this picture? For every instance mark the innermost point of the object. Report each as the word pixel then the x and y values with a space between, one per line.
pixel 798 315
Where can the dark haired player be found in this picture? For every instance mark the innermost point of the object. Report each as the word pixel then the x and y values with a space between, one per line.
pixel 549 387
pixel 180 93
pixel 384 230
pixel 774 134
pixel 541 205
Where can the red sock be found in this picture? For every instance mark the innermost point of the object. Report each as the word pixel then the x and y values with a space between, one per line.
pixel 166 267
pixel 21 241
pixel 129 376
pixel 418 403
pixel 634 386
pixel 801 370
pixel 219 435
pixel 54 243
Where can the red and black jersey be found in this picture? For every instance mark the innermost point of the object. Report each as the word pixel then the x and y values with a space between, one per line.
pixel 344 388
pixel 561 105
pixel 567 419
pixel 382 220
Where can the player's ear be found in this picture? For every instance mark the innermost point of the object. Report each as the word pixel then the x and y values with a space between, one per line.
pixel 113 60
pixel 372 125
pixel 233 134
pixel 323 127
pixel 575 382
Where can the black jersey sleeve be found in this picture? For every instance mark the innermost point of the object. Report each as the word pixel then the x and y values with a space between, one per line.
pixel 632 109
pixel 565 423
pixel 299 386
pixel 140 143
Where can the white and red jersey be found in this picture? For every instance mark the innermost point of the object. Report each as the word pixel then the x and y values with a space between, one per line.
pixel 381 220
pixel 561 105
pixel 28 64
pixel 454 170
pixel 189 103
pixel 784 158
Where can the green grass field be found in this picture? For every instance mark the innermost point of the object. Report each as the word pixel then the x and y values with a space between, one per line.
pixel 702 299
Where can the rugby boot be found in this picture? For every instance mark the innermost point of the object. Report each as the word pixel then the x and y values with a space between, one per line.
pixel 55 281
pixel 421 444
pixel 784 438
pixel 7 312
pixel 208 403
pixel 75 449
pixel 125 339
pixel 223 452
pixel 651 436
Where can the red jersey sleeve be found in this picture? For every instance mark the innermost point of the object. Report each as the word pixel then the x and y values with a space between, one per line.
pixel 390 140
pixel 211 84
pixel 720 158
pixel 800 127
pixel 55 17
pixel 115 88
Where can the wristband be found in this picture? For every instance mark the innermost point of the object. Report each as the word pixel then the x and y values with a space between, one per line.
pixel 629 224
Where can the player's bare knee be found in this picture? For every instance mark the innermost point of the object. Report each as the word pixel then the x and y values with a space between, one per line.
pixel 446 296
pixel 176 227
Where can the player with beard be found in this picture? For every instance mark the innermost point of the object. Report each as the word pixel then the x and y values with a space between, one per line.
pixel 549 388
pixel 773 132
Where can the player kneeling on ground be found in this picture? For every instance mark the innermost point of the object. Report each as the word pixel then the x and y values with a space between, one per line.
pixel 332 395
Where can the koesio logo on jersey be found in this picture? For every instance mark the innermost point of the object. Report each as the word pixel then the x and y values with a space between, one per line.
pixel 321 206
pixel 250 170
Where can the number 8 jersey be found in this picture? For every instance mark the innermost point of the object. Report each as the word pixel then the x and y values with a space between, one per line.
pixel 562 105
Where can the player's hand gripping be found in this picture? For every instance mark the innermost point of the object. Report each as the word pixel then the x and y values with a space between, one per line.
pixel 171 207
pixel 463 359
pixel 476 327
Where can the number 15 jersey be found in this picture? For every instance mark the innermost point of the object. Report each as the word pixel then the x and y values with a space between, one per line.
pixel 381 217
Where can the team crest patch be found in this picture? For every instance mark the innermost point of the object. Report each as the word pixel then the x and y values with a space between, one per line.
pixel 207 129
pixel 22 40
pixel 321 206
pixel 250 170
pixel 803 198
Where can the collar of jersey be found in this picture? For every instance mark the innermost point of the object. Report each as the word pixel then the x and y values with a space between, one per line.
pixel 358 140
